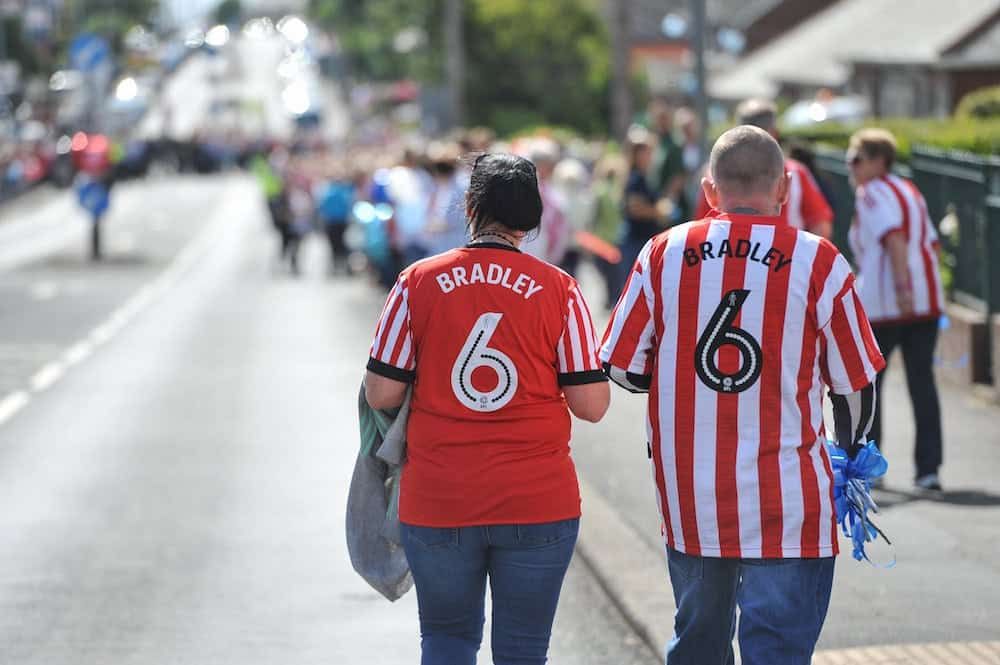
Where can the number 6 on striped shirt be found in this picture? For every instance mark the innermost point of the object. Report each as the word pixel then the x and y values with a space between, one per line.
pixel 477 353
pixel 719 332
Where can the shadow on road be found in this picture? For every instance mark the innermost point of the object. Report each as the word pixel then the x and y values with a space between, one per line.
pixel 887 498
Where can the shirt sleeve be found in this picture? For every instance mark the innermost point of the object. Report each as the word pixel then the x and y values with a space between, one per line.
pixel 576 353
pixel 627 350
pixel 392 353
pixel 814 207
pixel 849 355
pixel 878 211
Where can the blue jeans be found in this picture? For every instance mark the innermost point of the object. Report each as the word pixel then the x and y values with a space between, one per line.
pixel 525 564
pixel 782 603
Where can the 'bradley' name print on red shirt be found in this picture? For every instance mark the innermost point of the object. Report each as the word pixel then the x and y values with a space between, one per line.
pixel 494 274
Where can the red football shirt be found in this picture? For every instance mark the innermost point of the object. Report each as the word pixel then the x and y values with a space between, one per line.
pixel 488 336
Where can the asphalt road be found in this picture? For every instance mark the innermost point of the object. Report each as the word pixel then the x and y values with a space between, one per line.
pixel 176 493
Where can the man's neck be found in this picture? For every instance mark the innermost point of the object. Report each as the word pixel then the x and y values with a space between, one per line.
pixel 759 208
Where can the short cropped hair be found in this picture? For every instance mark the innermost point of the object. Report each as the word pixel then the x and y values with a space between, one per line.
pixel 746 160
pixel 875 142
pixel 757 112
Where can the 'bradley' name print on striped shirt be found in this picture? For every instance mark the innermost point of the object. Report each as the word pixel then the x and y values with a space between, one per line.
pixel 741 249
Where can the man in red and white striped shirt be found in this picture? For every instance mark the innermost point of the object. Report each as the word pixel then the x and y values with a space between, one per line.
pixel 733 324
pixel 896 250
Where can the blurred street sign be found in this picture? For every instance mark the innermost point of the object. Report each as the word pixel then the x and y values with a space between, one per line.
pixel 87 52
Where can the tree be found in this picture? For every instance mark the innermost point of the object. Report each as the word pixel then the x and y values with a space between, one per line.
pixel 533 62
pixel 527 62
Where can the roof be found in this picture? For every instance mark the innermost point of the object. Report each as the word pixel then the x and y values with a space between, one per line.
pixel 647 15
pixel 818 51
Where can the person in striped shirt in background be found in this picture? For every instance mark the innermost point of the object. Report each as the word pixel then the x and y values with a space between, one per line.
pixel 895 248
pixel 733 325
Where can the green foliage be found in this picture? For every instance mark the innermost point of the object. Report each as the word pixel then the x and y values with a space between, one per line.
pixel 531 62
pixel 229 12
pixel 367 29
pixel 527 62
pixel 965 135
pixel 980 104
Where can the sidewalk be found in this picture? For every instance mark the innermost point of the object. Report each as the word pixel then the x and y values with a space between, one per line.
pixel 945 588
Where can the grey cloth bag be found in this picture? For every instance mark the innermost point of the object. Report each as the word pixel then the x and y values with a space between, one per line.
pixel 372 525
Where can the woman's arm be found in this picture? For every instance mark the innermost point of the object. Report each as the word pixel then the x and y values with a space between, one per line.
pixel 382 392
pixel 588 401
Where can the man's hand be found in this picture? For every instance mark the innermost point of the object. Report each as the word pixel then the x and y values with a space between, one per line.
pixel 904 300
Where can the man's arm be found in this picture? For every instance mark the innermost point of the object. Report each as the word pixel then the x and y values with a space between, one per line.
pixel 853 415
pixel 895 247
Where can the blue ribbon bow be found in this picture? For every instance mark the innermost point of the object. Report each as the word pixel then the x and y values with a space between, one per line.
pixel 852 494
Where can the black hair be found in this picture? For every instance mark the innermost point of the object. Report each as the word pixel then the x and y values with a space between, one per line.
pixel 503 189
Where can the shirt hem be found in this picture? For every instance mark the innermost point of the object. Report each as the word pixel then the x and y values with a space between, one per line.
pixel 757 553
pixel 458 524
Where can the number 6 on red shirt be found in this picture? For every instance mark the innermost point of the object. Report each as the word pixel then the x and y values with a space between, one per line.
pixel 476 353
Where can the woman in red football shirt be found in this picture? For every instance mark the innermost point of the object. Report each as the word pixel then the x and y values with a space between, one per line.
pixel 496 344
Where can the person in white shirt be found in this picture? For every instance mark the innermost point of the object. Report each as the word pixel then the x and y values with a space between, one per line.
pixel 895 249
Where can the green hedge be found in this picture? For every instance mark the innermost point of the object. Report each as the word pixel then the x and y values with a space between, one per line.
pixel 967 135
pixel 982 104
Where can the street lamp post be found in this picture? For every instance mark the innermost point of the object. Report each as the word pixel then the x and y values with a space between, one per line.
pixel 697 34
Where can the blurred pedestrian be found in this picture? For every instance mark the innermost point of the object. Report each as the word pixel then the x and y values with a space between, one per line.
pixel 335 199
pixel 807 208
pixel 644 216
pixel 667 171
pixel 446 204
pixel 804 154
pixel 571 181
pixel 610 174
pixel 732 324
pixel 895 248
pixel 553 237
pixel 496 345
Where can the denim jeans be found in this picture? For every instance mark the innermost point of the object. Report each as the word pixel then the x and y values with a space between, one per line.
pixel 525 565
pixel 782 603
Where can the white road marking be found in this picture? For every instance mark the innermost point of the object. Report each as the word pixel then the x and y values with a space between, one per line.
pixel 78 353
pixel 46 376
pixel 11 404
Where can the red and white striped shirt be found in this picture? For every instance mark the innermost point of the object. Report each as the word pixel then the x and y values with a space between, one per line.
pixel 734 324
pixel 488 336
pixel 883 206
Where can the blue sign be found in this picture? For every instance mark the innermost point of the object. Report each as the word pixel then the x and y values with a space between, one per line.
pixel 88 51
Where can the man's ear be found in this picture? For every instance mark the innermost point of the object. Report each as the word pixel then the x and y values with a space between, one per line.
pixel 711 193
pixel 783 187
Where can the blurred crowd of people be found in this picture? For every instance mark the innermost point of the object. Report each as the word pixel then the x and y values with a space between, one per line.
pixel 385 207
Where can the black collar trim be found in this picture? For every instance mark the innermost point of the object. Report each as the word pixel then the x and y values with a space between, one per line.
pixel 492 245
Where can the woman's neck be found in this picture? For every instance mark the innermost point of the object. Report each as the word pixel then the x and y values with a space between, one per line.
pixel 493 234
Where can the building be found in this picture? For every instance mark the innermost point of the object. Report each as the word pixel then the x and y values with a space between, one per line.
pixel 905 58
